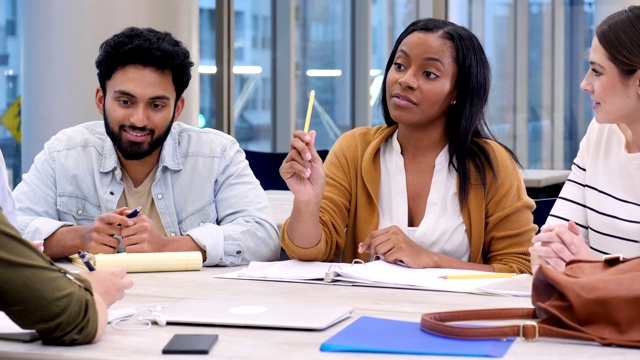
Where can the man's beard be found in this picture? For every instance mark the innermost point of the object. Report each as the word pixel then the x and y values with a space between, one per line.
pixel 130 150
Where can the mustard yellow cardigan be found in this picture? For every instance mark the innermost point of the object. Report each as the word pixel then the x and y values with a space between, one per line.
pixel 499 222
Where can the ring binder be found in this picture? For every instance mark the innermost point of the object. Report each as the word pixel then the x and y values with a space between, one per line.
pixel 329 276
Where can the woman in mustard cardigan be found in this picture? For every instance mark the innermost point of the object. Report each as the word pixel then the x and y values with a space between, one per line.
pixel 431 188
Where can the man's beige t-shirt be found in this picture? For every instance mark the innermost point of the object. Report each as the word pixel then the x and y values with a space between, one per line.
pixel 133 197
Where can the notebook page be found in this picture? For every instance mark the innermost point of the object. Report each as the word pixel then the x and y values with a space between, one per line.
pixel 151 262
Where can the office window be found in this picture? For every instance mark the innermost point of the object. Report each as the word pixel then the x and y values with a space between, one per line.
pixel 207 67
pixel 252 75
pixel 540 84
pixel 323 51
pixel 579 31
pixel 10 134
pixel 493 22
pixel 266 32
pixel 255 33
pixel 499 31
pixel 252 115
pixel 241 41
pixel 535 107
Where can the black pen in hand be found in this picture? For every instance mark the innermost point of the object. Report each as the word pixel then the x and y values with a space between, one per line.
pixel 132 214
pixel 83 256
pixel 135 212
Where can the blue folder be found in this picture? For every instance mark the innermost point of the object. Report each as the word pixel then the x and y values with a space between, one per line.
pixel 375 335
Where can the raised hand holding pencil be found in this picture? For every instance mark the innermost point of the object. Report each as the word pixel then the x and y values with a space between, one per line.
pixel 304 174
pixel 302 168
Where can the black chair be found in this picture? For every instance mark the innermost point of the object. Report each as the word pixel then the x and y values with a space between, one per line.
pixel 266 167
pixel 542 210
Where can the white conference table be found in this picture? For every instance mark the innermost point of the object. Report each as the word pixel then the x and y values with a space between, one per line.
pixel 248 343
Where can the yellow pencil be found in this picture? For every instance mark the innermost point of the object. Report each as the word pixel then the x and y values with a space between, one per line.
pixel 477 276
pixel 309 108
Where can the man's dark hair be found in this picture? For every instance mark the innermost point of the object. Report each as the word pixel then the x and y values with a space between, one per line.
pixel 145 47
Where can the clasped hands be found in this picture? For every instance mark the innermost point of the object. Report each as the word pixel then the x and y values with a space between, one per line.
pixel 138 234
pixel 556 244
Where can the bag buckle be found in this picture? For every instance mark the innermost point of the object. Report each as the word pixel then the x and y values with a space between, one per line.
pixel 536 332
pixel 612 258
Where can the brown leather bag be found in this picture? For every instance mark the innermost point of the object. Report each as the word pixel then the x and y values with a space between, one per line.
pixel 590 300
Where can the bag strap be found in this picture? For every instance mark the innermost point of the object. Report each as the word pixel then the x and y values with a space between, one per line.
pixel 528 330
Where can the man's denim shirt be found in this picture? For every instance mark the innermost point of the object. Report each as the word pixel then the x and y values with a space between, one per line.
pixel 204 188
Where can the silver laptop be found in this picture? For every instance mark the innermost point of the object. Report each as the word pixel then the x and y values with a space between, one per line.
pixel 255 314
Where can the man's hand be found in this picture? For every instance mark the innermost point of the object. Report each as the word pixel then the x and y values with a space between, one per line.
pixel 97 237
pixel 557 244
pixel 140 235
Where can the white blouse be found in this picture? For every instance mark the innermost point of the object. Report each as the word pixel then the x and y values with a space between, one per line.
pixel 442 229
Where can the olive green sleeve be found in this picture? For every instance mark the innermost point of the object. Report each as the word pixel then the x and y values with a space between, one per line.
pixel 38 295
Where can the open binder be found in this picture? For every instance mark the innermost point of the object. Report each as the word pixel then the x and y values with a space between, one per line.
pixel 377 273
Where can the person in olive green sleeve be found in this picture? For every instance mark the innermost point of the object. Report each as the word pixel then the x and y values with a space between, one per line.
pixel 64 308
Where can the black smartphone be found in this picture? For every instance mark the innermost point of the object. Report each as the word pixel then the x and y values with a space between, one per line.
pixel 190 344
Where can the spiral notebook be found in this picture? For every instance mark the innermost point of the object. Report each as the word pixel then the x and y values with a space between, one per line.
pixel 145 262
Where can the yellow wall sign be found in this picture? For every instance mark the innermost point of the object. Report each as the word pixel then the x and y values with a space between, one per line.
pixel 11 120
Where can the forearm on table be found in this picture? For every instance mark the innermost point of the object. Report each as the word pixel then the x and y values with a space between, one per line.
pixel 65 241
pixel 184 243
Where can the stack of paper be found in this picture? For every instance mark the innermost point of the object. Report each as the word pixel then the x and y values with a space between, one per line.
pixel 382 273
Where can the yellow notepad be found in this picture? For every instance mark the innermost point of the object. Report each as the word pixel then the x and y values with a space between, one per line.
pixel 145 262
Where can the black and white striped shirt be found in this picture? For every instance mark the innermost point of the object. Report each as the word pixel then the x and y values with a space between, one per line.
pixel 602 194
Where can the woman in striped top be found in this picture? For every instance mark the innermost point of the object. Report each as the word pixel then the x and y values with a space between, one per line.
pixel 598 210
